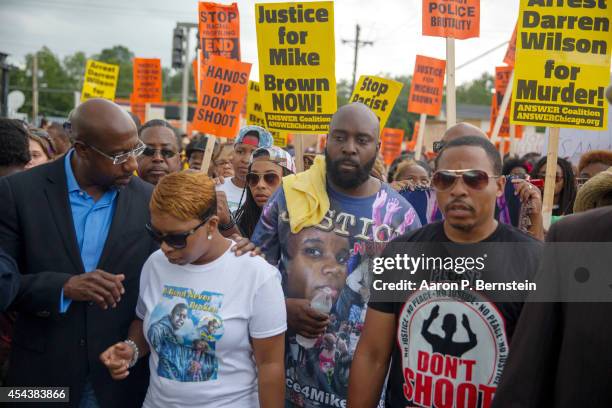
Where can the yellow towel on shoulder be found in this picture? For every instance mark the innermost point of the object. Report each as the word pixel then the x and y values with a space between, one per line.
pixel 306 195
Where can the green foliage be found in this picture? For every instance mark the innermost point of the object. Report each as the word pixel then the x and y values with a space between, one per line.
pixel 477 92
pixel 119 55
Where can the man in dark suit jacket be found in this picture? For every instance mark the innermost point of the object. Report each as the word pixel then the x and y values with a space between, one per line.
pixel 561 353
pixel 76 228
pixel 9 280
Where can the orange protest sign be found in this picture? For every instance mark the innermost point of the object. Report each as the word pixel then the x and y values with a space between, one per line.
pixel 415 134
pixel 511 51
pixel 427 86
pixel 224 87
pixel 137 108
pixel 451 19
pixel 391 144
pixel 219 28
pixel 506 146
pixel 147 77
pixel 502 76
pixel 504 130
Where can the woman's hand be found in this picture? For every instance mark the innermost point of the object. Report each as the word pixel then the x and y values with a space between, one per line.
pixel 117 359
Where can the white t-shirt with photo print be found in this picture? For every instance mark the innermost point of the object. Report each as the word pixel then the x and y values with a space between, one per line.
pixel 198 320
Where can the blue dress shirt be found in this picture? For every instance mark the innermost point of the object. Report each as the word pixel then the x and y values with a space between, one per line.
pixel 92 220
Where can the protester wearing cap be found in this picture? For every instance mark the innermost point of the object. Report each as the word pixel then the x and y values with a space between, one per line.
pixel 162 154
pixel 195 152
pixel 268 166
pixel 249 139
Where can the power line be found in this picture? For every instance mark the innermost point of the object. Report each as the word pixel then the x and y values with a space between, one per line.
pixel 358 43
pixel 481 55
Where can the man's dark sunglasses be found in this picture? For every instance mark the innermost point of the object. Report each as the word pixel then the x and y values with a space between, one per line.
pixel 444 180
pixel 438 145
pixel 176 241
pixel 166 154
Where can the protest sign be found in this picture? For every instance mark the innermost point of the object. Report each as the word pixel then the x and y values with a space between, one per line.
pixel 451 19
pixel 255 116
pixel 562 64
pixel 427 84
pixel 502 78
pixel 573 143
pixel 137 108
pixel 391 144
pixel 224 86
pixel 379 94
pixel 254 111
pixel 280 139
pixel 410 146
pixel 100 80
pixel 147 76
pixel 219 30
pixel 295 43
pixel 511 50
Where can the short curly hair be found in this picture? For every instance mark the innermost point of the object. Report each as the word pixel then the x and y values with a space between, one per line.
pixel 14 143
pixel 595 156
pixel 185 195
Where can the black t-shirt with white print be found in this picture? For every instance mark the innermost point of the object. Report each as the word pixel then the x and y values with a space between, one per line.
pixel 450 347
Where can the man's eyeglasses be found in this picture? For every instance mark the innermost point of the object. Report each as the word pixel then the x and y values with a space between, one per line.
pixel 176 241
pixel 444 180
pixel 271 179
pixel 119 158
pixel 165 153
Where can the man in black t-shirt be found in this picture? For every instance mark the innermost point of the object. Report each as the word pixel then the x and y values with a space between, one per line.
pixel 448 347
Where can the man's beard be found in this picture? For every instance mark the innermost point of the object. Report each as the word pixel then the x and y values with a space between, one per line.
pixel 348 181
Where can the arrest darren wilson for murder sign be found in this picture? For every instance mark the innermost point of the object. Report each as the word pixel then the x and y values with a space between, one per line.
pixel 295 44
pixel 562 63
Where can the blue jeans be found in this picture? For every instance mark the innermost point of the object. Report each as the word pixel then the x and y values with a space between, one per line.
pixel 88 399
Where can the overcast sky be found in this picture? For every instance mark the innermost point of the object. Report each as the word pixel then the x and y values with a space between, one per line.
pixel 145 27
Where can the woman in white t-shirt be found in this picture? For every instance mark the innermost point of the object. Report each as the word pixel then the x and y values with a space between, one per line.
pixel 213 322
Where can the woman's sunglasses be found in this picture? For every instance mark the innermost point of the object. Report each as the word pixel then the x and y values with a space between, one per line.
pixel 176 241
pixel 271 179
pixel 444 180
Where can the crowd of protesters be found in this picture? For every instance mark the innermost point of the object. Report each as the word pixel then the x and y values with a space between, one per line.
pixel 130 268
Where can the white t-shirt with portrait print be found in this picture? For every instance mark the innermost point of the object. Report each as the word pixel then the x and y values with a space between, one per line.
pixel 233 194
pixel 198 321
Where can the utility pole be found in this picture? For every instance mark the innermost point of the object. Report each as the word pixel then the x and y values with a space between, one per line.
pixel 35 89
pixel 358 44
pixel 5 68
pixel 186 64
